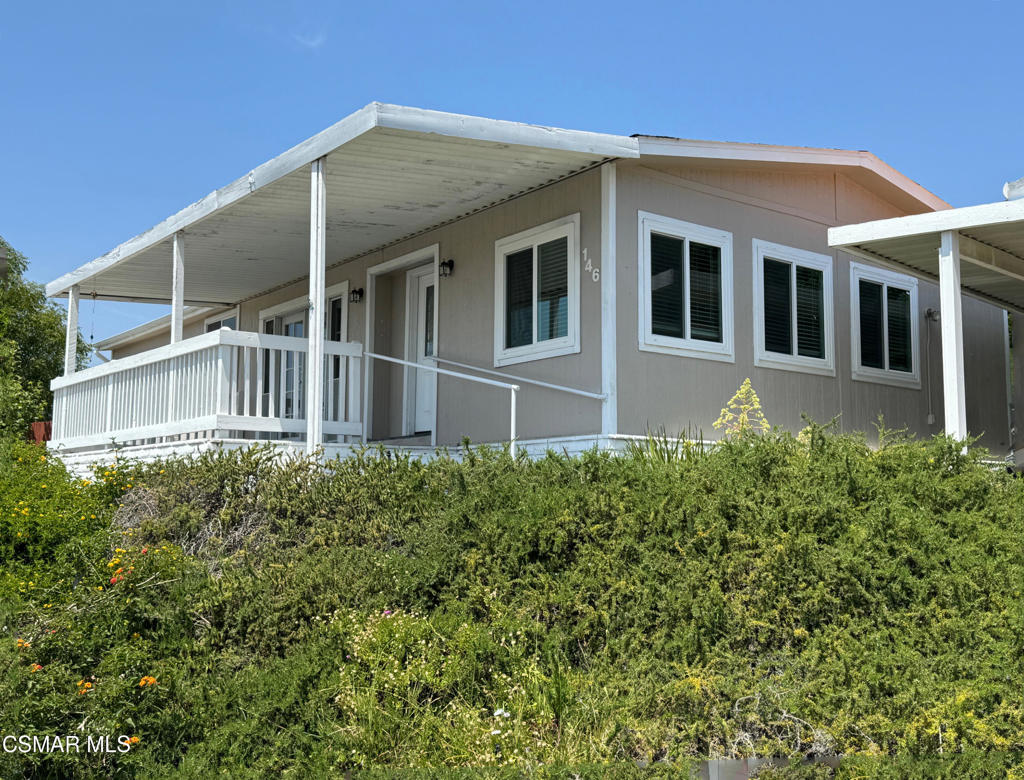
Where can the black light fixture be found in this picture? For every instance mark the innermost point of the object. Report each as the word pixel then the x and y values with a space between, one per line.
pixel 356 295
pixel 445 267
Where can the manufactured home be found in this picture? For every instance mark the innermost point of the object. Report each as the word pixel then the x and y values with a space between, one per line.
pixel 416 279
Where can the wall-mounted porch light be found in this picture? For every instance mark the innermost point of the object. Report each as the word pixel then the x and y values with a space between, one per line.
pixel 356 295
pixel 445 267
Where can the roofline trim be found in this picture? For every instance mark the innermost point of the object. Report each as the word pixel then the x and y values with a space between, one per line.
pixel 150 328
pixel 998 213
pixel 727 150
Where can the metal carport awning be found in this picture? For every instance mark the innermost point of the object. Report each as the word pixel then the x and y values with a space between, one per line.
pixel 976 251
pixel 393 172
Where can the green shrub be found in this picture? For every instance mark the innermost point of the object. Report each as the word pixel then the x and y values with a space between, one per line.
pixel 772 596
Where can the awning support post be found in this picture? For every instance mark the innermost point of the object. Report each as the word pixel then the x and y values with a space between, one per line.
pixel 953 395
pixel 317 284
pixel 71 335
pixel 609 330
pixel 177 286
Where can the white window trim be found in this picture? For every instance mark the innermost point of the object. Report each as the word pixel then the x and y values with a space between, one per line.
pixel 302 303
pixel 688 347
pixel 762 357
pixel 568 227
pixel 227 313
pixel 885 376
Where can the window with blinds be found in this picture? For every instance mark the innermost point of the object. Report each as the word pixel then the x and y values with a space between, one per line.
pixel 686 281
pixel 686 289
pixel 884 324
pixel 793 308
pixel 537 293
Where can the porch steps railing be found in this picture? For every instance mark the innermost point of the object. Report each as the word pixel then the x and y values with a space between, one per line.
pixel 513 389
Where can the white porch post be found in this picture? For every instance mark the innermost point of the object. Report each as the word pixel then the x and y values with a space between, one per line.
pixel 177 286
pixel 317 264
pixel 954 401
pixel 609 331
pixel 71 336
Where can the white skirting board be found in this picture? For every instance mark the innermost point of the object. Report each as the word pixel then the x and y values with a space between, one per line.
pixel 82 462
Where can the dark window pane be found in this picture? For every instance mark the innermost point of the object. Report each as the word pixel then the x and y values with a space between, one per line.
pixel 212 326
pixel 871 355
pixel 778 307
pixel 666 286
pixel 519 298
pixel 900 351
pixel 265 355
pixel 810 312
pixel 334 322
pixel 705 292
pixel 428 324
pixel 553 290
pixel 230 322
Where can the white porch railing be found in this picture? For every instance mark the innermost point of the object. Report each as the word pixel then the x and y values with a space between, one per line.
pixel 226 383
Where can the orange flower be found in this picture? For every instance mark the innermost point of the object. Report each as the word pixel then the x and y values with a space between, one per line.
pixel 36 668
pixel 133 740
pixel 147 680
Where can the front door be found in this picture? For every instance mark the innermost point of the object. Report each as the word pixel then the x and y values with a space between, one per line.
pixel 423 384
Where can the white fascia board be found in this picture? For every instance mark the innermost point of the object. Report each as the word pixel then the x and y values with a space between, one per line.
pixel 477 128
pixel 149 328
pixel 311 149
pixel 1001 213
pixel 727 150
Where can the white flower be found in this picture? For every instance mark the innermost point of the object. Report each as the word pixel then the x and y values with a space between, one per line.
pixel 496 732
pixel 502 713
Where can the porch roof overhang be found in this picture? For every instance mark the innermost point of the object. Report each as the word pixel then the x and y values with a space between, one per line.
pixel 991 247
pixel 392 172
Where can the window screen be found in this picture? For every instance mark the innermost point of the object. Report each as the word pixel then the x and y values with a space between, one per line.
pixel 519 298
pixel 553 290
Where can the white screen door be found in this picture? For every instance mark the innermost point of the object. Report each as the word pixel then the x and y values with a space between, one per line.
pixel 423 389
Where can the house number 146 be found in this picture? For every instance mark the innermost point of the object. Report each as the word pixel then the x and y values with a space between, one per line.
pixel 590 268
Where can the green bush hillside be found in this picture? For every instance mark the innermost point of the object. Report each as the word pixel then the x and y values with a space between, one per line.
pixel 247 616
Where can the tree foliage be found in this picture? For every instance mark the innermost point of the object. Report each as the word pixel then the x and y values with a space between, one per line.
pixel 32 332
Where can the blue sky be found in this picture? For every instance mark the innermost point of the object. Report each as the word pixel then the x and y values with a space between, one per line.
pixel 118 114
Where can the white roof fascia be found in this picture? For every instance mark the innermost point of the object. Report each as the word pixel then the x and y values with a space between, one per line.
pixel 477 128
pixel 149 328
pixel 727 150
pixel 326 141
pixel 311 149
pixel 933 222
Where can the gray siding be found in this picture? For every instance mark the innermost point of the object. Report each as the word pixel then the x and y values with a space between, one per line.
pixel 686 394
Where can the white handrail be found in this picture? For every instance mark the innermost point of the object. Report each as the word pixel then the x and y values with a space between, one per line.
pixel 513 389
pixel 222 337
pixel 539 383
